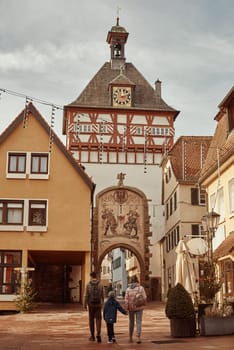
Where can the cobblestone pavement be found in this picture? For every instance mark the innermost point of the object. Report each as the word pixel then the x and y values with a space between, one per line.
pixel 65 327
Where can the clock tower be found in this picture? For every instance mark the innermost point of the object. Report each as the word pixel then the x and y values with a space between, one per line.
pixel 119 118
pixel 121 124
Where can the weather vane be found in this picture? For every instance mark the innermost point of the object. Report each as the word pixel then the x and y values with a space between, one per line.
pixel 118 9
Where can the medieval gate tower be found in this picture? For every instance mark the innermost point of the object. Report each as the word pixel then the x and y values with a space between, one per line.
pixel 120 124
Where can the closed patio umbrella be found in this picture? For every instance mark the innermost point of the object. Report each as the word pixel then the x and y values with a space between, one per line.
pixel 185 269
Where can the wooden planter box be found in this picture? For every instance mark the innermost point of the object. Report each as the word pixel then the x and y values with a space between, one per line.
pixel 216 325
pixel 182 328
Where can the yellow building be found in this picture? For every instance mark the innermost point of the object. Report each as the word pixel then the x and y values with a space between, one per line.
pixel 217 177
pixel 45 213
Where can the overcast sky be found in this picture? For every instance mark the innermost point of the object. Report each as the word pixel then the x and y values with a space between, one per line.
pixel 51 49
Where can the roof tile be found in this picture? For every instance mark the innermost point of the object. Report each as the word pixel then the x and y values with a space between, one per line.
pixel 226 247
pixel 187 157
pixel 97 92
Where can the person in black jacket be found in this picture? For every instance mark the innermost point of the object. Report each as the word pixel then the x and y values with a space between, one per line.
pixel 111 307
pixel 94 299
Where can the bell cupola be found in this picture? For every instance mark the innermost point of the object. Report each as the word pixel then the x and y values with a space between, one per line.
pixel 116 38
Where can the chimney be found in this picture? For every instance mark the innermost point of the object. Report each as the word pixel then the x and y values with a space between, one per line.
pixel 158 88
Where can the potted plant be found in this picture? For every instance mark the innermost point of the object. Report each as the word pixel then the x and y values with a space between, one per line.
pixel 209 285
pixel 217 321
pixel 181 312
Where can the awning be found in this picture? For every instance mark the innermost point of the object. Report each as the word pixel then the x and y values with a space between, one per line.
pixel 225 249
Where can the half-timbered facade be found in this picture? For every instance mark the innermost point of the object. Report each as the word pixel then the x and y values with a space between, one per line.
pixel 119 118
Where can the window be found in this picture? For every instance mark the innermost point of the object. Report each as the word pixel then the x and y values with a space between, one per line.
pixel 39 163
pixel 116 263
pixel 177 235
pixel 159 131
pixel 194 196
pixel 228 273
pixel 195 230
pixel 172 240
pixel 231 196
pixel 17 163
pixel 167 174
pixel 86 128
pixel 102 129
pixel 167 211
pixel 138 130
pixel 35 165
pixel 37 213
pixel 20 215
pixel 11 212
pixel 9 278
pixel 202 197
pixel 168 243
pixel 175 201
pixel 171 206
pixel 220 204
pixel 198 196
pixel 212 200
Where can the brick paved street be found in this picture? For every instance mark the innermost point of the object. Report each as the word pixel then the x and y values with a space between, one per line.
pixel 65 327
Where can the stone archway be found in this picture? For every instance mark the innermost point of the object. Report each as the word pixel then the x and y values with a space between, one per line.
pixel 121 219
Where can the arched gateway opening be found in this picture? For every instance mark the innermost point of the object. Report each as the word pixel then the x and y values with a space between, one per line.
pixel 121 220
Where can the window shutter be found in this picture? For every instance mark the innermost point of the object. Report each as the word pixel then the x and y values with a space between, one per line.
pixel 195 230
pixel 194 196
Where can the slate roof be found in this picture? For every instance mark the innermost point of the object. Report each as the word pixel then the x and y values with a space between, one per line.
pixel 97 92
pixel 223 140
pixel 187 156
pixel 19 120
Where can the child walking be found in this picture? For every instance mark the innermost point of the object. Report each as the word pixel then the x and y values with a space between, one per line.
pixel 110 309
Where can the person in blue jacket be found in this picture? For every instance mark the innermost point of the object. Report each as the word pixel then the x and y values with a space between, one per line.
pixel 110 309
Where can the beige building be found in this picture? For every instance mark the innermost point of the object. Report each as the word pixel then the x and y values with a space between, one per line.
pixel 217 177
pixel 184 201
pixel 45 213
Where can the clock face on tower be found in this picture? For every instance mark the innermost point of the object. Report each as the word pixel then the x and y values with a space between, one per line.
pixel 121 96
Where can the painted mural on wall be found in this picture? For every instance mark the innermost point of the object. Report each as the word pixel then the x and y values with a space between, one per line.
pixel 121 216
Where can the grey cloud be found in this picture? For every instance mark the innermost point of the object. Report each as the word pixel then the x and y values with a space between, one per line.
pixel 51 49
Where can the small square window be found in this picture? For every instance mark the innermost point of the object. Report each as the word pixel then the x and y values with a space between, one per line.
pixel 17 163
pixel 37 213
pixel 11 212
pixel 39 163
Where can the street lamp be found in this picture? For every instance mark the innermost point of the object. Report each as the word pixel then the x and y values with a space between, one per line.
pixel 210 223
pixel 209 284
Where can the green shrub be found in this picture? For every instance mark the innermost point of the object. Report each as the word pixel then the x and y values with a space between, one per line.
pixel 210 283
pixel 179 303
pixel 25 299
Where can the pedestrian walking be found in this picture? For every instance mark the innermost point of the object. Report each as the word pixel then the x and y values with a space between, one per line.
pixel 94 299
pixel 111 307
pixel 135 300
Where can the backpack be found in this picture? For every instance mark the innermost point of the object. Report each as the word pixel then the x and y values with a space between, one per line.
pixel 95 294
pixel 139 299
